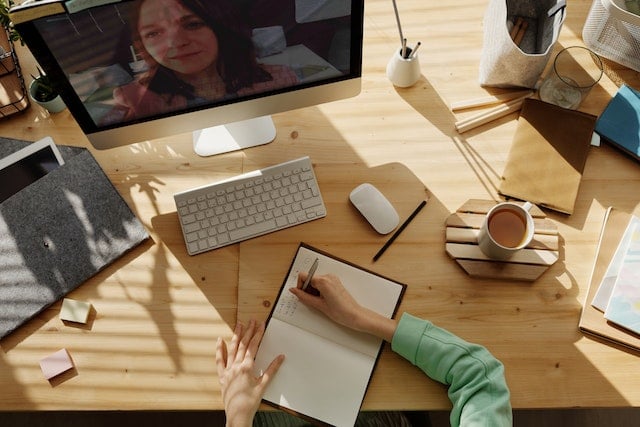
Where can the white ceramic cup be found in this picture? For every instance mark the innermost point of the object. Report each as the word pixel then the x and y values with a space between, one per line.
pixel 403 71
pixel 507 228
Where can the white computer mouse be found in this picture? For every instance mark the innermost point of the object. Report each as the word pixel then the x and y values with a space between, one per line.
pixel 375 208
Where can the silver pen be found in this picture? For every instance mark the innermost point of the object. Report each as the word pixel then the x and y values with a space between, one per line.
pixel 312 270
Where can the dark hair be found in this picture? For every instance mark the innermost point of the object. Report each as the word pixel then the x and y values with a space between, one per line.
pixel 237 63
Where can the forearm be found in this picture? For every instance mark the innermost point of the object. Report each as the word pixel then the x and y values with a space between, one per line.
pixel 477 387
pixel 375 324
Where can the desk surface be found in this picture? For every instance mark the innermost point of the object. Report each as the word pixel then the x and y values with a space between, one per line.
pixel 150 344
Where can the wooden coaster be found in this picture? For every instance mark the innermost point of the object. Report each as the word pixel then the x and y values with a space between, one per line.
pixel 528 264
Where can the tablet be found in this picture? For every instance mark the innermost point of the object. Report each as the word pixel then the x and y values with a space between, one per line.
pixel 26 166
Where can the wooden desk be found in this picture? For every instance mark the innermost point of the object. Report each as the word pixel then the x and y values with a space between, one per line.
pixel 159 311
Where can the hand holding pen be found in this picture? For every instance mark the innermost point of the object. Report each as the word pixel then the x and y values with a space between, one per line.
pixel 335 302
pixel 331 298
pixel 307 281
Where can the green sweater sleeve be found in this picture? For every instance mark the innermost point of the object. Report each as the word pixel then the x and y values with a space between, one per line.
pixel 477 387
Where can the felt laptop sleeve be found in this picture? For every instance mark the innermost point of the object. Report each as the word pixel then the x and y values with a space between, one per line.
pixel 58 232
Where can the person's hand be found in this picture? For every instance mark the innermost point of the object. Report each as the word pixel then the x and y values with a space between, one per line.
pixel 338 305
pixel 333 299
pixel 241 390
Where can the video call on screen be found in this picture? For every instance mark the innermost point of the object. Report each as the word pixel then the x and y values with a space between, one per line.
pixel 312 40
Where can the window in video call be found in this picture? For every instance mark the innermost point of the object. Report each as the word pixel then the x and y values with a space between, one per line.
pixel 138 60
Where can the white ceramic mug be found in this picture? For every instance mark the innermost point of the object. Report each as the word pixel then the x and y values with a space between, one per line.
pixel 507 228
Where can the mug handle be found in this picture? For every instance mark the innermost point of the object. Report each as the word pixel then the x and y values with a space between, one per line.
pixel 527 206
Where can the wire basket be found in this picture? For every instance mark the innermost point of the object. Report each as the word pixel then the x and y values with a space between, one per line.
pixel 613 32
pixel 13 91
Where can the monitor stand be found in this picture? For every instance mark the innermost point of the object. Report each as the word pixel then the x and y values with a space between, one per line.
pixel 234 136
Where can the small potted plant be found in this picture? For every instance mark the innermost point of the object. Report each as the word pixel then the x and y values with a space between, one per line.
pixel 5 20
pixel 44 93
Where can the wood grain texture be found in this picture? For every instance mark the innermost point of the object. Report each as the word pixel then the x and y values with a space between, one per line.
pixel 158 312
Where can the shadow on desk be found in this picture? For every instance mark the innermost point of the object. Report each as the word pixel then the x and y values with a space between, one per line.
pixel 87 290
pixel 213 272
pixel 426 101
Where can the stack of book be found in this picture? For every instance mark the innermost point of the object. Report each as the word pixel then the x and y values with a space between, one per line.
pixel 611 310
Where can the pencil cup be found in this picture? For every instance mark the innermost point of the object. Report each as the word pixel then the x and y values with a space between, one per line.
pixel 403 71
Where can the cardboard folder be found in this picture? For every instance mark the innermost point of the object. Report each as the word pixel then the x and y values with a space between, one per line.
pixel 548 155
pixel 57 233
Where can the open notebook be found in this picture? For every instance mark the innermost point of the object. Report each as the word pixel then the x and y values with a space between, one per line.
pixel 327 366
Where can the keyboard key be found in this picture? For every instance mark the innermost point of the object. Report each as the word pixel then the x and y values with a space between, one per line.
pixel 190 228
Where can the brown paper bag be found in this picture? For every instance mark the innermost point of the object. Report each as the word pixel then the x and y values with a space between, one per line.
pixel 548 155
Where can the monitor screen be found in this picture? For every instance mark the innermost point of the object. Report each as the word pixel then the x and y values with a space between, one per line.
pixel 131 71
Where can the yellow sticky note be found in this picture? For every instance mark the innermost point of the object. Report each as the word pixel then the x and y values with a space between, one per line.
pixel 75 311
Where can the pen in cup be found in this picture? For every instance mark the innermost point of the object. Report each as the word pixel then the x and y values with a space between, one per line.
pixel 413 52
pixel 312 271
pixel 395 9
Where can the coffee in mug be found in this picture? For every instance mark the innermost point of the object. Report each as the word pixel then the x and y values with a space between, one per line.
pixel 507 228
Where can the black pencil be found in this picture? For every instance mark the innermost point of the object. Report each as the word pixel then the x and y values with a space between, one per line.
pixel 399 230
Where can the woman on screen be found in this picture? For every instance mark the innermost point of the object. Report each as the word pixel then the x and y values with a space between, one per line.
pixel 197 51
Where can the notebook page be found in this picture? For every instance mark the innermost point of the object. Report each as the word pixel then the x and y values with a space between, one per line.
pixel 371 291
pixel 603 294
pixel 319 378
pixel 624 305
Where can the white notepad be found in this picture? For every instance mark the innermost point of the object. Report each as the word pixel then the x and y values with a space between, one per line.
pixel 603 294
pixel 623 308
pixel 327 367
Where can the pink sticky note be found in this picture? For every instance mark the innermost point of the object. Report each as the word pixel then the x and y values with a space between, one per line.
pixel 55 364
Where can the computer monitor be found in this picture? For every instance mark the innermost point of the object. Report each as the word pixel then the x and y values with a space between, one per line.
pixel 131 71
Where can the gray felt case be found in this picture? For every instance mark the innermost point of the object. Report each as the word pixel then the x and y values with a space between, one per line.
pixel 58 232
pixel 503 63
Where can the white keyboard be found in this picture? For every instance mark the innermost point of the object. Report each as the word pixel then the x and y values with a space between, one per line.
pixel 249 205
